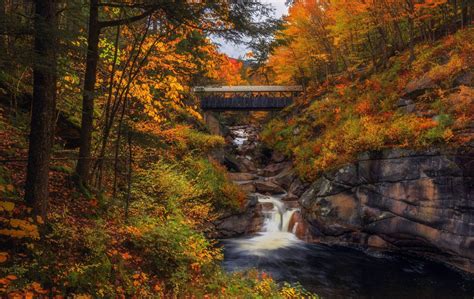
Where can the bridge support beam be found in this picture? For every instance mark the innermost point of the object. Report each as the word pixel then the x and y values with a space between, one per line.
pixel 212 123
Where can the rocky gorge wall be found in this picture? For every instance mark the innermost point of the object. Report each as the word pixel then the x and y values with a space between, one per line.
pixel 420 202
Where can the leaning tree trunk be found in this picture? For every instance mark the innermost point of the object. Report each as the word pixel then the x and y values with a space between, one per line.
pixel 44 106
pixel 87 122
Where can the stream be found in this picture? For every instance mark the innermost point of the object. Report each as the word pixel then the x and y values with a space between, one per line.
pixel 335 271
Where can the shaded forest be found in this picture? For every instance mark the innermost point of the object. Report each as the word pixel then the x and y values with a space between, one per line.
pixel 109 176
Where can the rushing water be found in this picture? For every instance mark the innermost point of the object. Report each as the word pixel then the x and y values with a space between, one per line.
pixel 336 271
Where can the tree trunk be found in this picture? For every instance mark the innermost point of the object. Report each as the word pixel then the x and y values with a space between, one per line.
pixel 411 28
pixel 44 106
pixel 87 122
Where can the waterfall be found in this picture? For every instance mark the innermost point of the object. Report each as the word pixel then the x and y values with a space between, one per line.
pixel 275 232
pixel 277 219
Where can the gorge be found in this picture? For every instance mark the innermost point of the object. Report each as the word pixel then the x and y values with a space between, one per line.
pixel 318 238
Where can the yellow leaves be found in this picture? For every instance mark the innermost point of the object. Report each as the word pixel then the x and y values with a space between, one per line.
pixel 39 220
pixel 135 231
pixel 6 206
pixel 445 71
pixel 20 229
pixel 7 188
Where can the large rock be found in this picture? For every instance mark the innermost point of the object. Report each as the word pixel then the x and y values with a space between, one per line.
pixel 235 224
pixel 246 165
pixel 277 157
pixel 416 201
pixel 297 187
pixel 298 226
pixel 241 176
pixel 268 187
pixel 418 87
pixel 274 169
pixel 285 177
pixel 247 187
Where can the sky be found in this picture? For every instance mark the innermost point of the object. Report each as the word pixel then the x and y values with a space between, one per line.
pixel 237 51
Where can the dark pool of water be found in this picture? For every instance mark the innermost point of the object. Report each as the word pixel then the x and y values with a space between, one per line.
pixel 341 272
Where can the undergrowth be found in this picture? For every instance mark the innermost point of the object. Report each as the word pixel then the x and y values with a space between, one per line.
pixel 335 121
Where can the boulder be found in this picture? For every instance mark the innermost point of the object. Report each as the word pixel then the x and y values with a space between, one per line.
pixel 274 169
pixel 297 187
pixel 407 105
pixel 418 87
pixel 246 165
pixel 298 226
pixel 418 201
pixel 268 187
pixel 247 187
pixel 237 223
pixel 277 157
pixel 231 163
pixel 289 197
pixel 285 177
pixel 241 176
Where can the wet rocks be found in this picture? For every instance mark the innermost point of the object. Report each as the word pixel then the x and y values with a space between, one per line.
pixel 241 176
pixel 274 169
pixel 245 164
pixel 299 226
pixel 290 197
pixel 268 187
pixel 233 224
pixel 243 157
pixel 417 201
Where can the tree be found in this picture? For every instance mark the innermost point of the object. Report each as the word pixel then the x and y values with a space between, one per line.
pixel 43 108
pixel 230 20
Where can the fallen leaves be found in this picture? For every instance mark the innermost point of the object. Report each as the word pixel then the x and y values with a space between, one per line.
pixel 3 257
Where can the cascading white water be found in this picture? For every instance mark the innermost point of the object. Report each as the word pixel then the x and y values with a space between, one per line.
pixel 277 219
pixel 240 137
pixel 275 232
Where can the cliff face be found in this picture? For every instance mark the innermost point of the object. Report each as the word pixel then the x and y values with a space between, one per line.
pixel 416 201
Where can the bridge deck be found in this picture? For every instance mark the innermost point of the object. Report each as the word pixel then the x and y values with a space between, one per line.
pixel 245 103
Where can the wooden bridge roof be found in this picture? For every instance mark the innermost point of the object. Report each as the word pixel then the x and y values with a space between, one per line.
pixel 248 88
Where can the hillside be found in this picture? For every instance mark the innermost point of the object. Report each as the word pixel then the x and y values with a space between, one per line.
pixel 418 105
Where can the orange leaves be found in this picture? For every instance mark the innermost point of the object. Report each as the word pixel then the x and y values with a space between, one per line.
pixel 18 228
pixel 34 290
pixel 230 71
pixel 3 257
pixel 126 256
pixel 364 107
pixel 426 123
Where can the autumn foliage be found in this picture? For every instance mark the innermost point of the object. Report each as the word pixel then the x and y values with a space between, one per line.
pixel 341 118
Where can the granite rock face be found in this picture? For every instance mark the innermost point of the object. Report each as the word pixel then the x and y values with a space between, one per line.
pixel 237 224
pixel 416 201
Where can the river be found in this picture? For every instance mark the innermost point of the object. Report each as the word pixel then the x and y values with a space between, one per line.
pixel 336 271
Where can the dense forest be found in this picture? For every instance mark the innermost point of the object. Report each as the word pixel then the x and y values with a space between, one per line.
pixel 110 178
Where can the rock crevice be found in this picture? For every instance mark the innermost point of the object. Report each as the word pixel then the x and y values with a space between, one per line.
pixel 415 201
